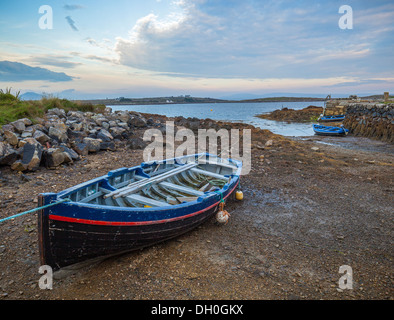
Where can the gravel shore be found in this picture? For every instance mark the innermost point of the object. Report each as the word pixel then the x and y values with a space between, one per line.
pixel 309 208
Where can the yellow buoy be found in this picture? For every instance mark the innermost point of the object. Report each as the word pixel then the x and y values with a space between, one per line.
pixel 239 195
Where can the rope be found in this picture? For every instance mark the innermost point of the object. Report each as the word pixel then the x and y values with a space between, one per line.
pixel 217 182
pixel 33 210
pixel 221 196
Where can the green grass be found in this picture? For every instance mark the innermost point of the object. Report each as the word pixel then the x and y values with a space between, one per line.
pixel 12 108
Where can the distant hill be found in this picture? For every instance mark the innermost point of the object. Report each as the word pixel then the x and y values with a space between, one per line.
pixel 155 100
pixel 283 99
pixel 251 96
pixel 30 96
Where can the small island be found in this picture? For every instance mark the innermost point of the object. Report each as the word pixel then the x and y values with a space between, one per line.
pixel 308 114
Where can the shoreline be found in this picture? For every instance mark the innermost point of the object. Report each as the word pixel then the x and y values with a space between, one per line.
pixel 308 209
pixel 191 100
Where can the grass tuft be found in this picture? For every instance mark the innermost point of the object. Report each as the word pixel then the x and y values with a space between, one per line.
pixel 12 108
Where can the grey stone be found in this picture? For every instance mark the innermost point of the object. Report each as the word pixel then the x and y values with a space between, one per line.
pixel 73 155
pixel 81 148
pixel 104 135
pixel 58 133
pixel 108 145
pixel 7 154
pixel 10 137
pixel 58 112
pixel 53 157
pixel 40 136
pixel 19 125
pixel 32 153
pixel 136 143
pixel 93 144
pixel 138 121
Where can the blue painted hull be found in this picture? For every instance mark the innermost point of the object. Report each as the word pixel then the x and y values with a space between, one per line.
pixel 74 232
pixel 329 131
pixel 332 118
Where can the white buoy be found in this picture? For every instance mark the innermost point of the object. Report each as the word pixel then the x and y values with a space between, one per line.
pixel 222 216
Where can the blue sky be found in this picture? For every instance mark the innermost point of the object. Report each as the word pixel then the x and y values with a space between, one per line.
pixel 200 47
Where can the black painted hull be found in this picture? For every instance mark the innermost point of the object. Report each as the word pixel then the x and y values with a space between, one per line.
pixel 64 243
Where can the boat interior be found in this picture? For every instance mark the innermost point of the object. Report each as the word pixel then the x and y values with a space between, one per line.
pixel 155 184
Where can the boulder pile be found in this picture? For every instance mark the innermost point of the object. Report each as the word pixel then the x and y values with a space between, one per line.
pixel 61 138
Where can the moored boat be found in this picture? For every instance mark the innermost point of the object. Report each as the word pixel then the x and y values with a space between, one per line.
pixel 131 208
pixel 329 130
pixel 331 118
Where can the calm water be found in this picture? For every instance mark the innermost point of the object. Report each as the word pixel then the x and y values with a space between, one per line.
pixel 235 112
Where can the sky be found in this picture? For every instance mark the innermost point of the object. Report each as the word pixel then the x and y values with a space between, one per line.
pixel 207 48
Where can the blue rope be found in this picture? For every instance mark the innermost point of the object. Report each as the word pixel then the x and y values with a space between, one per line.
pixel 221 195
pixel 36 209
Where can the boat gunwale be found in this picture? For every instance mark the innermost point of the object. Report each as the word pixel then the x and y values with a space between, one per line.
pixel 117 172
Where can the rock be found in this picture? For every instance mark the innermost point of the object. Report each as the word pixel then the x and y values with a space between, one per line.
pixel 108 145
pixel 19 125
pixel 193 125
pixel 123 116
pixel 40 136
pixel 53 157
pixel 137 121
pixel 136 143
pixel 71 153
pixel 26 134
pixel 315 149
pixel 57 112
pixel 19 166
pixel 112 124
pixel 117 132
pixel 76 135
pixel 8 127
pixel 100 120
pixel 7 154
pixel 105 125
pixel 269 143
pixel 32 152
pixel 77 126
pixel 10 137
pixel 92 144
pixel 58 132
pixel 123 125
pixel 104 135
pixel 81 148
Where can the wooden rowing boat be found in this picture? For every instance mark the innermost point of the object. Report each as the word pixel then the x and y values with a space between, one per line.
pixel 329 131
pixel 331 118
pixel 131 208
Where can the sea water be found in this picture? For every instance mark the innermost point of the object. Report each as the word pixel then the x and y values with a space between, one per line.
pixel 233 112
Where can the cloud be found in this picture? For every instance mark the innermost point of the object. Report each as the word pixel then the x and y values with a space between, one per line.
pixel 71 22
pixel 15 71
pixel 55 60
pixel 359 82
pixel 254 39
pixel 72 7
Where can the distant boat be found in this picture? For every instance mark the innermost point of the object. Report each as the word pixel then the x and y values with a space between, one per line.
pixel 131 208
pixel 330 131
pixel 331 118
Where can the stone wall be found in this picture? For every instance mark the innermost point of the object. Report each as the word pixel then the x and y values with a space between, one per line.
pixel 372 120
